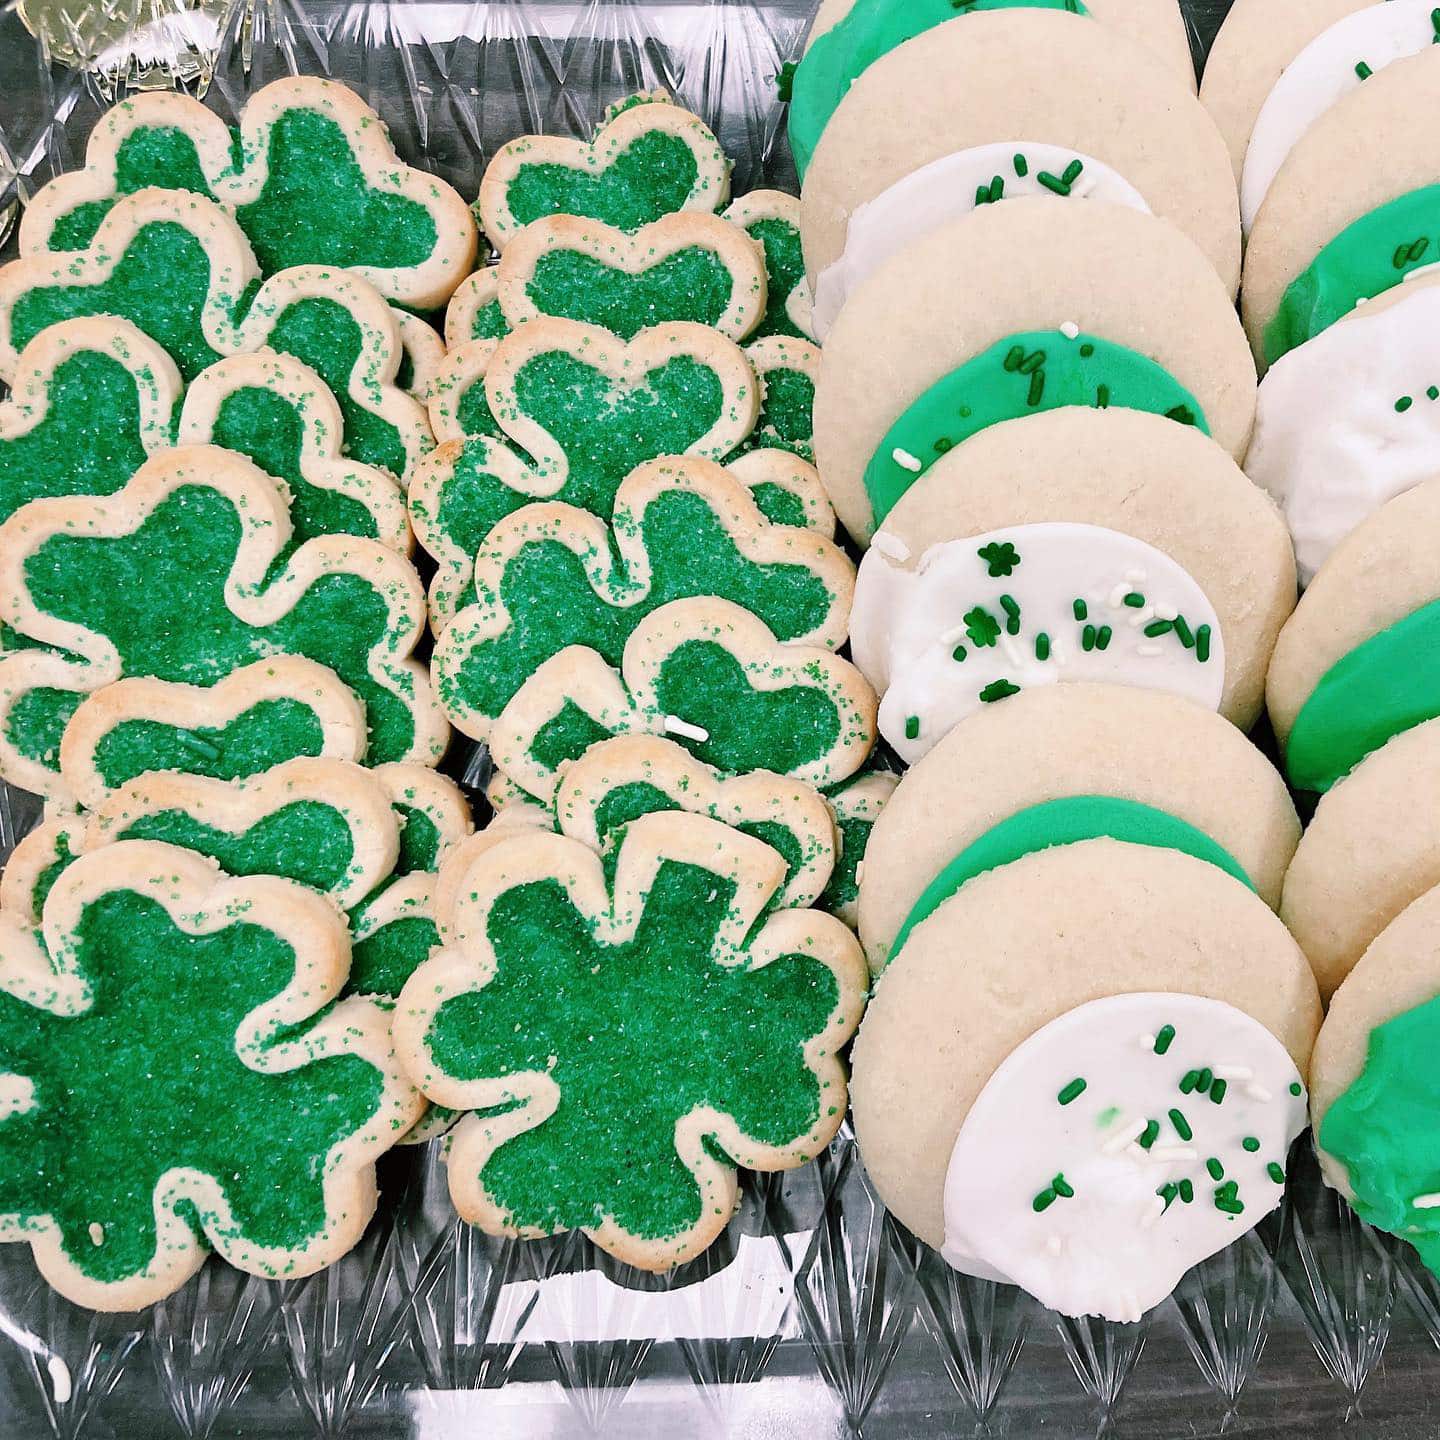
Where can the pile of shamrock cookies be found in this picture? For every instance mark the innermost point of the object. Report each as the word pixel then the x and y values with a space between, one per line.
pixel 861 602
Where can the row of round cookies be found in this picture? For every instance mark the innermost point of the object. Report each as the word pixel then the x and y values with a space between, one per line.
pixel 1090 904
pixel 257 922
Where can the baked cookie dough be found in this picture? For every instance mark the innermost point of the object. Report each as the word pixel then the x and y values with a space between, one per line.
pixel 1374 1101
pixel 1050 108
pixel 1017 308
pixel 1353 209
pixel 1191 773
pixel 976 1059
pixel 1076 545
pixel 1359 662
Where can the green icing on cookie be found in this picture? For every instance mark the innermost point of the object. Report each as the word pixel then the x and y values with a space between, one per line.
pixel 786 417
pixel 1371 255
pixel 268 428
pixel 870 30
pixel 691 284
pixel 382 962
pixel 177 626
pixel 1382 1130
pixel 784 268
pixel 160 284
pixel 1066 822
pixel 147 1080
pixel 551 602
pixel 1024 374
pixel 87 443
pixel 317 208
pixel 644 1034
pixel 258 739
pixel 159 155
pixel 650 177
pixel 1385 685
pixel 305 841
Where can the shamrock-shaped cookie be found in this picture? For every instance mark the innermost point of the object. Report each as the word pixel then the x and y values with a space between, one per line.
pixel 709 675
pixel 474 311
pixel 179 268
pixel 552 576
pixel 681 267
pixel 771 218
pixel 311 177
pixel 648 159
pixel 787 370
pixel 175 577
pixel 728 1054
pixel 90 399
pixel 255 718
pixel 167 1086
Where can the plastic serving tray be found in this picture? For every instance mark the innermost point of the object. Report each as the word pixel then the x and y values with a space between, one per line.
pixel 815 1315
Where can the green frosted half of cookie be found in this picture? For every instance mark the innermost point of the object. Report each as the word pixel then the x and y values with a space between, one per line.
pixel 1026 373
pixel 1066 821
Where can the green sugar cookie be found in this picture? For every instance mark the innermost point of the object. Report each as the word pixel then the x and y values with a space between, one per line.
pixel 310 175
pixel 788 370
pixel 561 1139
pixel 771 218
pixel 169 1087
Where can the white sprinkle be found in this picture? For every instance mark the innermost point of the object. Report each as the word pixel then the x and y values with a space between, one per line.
pixel 1174 1152
pixel 1148 649
pixel 1141 618
pixel 1122 1138
pixel 1166 612
pixel 892 545
pixel 1234 1072
pixel 60 1381
pixel 676 726
pixel 1118 594
pixel 1136 577
pixel 97 1234
pixel 1070 330
pixel 1147 1042
pixel 906 461
pixel 1055 1245
pixel 1156 1210
pixel 1426 1202
pixel 1258 1092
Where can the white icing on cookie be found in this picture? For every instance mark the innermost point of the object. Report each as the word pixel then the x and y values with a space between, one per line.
pixel 943 639
pixel 1348 421
pixel 1323 73
pixel 946 189
pixel 1112 1245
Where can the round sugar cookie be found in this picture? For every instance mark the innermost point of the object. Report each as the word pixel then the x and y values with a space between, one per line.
pixel 849 36
pixel 959 103
pixel 1023 945
pixel 1351 419
pixel 1350 213
pixel 1146 749
pixel 1017 308
pixel 1106 545
pixel 1374 1096
pixel 1359 660
pixel 1372 847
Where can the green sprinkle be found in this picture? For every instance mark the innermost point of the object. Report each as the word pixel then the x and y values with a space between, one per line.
pixel 1182 1125
pixel 998 690
pixel 1216 1169
pixel 1202 644
pixel 1187 1191
pixel 1000 557
pixel 1217 1092
pixel 1073 1091
pixel 1150 1134
pixel 1159 627
pixel 1042 646
pixel 1207 1076
pixel 1167 1032
pixel 1102 397
pixel 981 626
pixel 1167 1192
pixel 1135 600
pixel 1063 1188
pixel 912 727
pixel 1043 1201
pixel 1087 638
pixel 1182 413
pixel 1072 171
pixel 1032 362
pixel 1250 1143
pixel 1053 183
pixel 1103 637
pixel 1037 389
pixel 1403 404
pixel 1276 1172
pixel 959 653
pixel 1183 633
pixel 1363 70
pixel 1433 393
pixel 1230 1207
pixel 1087 350
pixel 1014 358
pixel 1294 1087
pixel 1080 609
pixel 982 195
pixel 1011 607
pixel 785 80
pixel 1189 1082
pixel 1022 165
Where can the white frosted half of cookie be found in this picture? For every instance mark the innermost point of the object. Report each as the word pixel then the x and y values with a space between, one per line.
pixel 1088 1171
pixel 950 187
pixel 1337 61
pixel 1351 419
pixel 982 617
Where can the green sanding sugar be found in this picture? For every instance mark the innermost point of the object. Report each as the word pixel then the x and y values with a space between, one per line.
pixel 844 886
pixel 489 323
pixel 158 595
pixel 317 208
pixel 267 428
pixel 552 604
pixel 567 735
pixel 786 416
pixel 473 411
pixel 87 442
pixel 419 841
pixel 644 1033
pixel 46 879
pixel 691 284
pixel 649 178
pixel 382 962
pixel 779 505
pixel 257 739
pixel 784 268
pixel 36 722
pixel 147 1080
